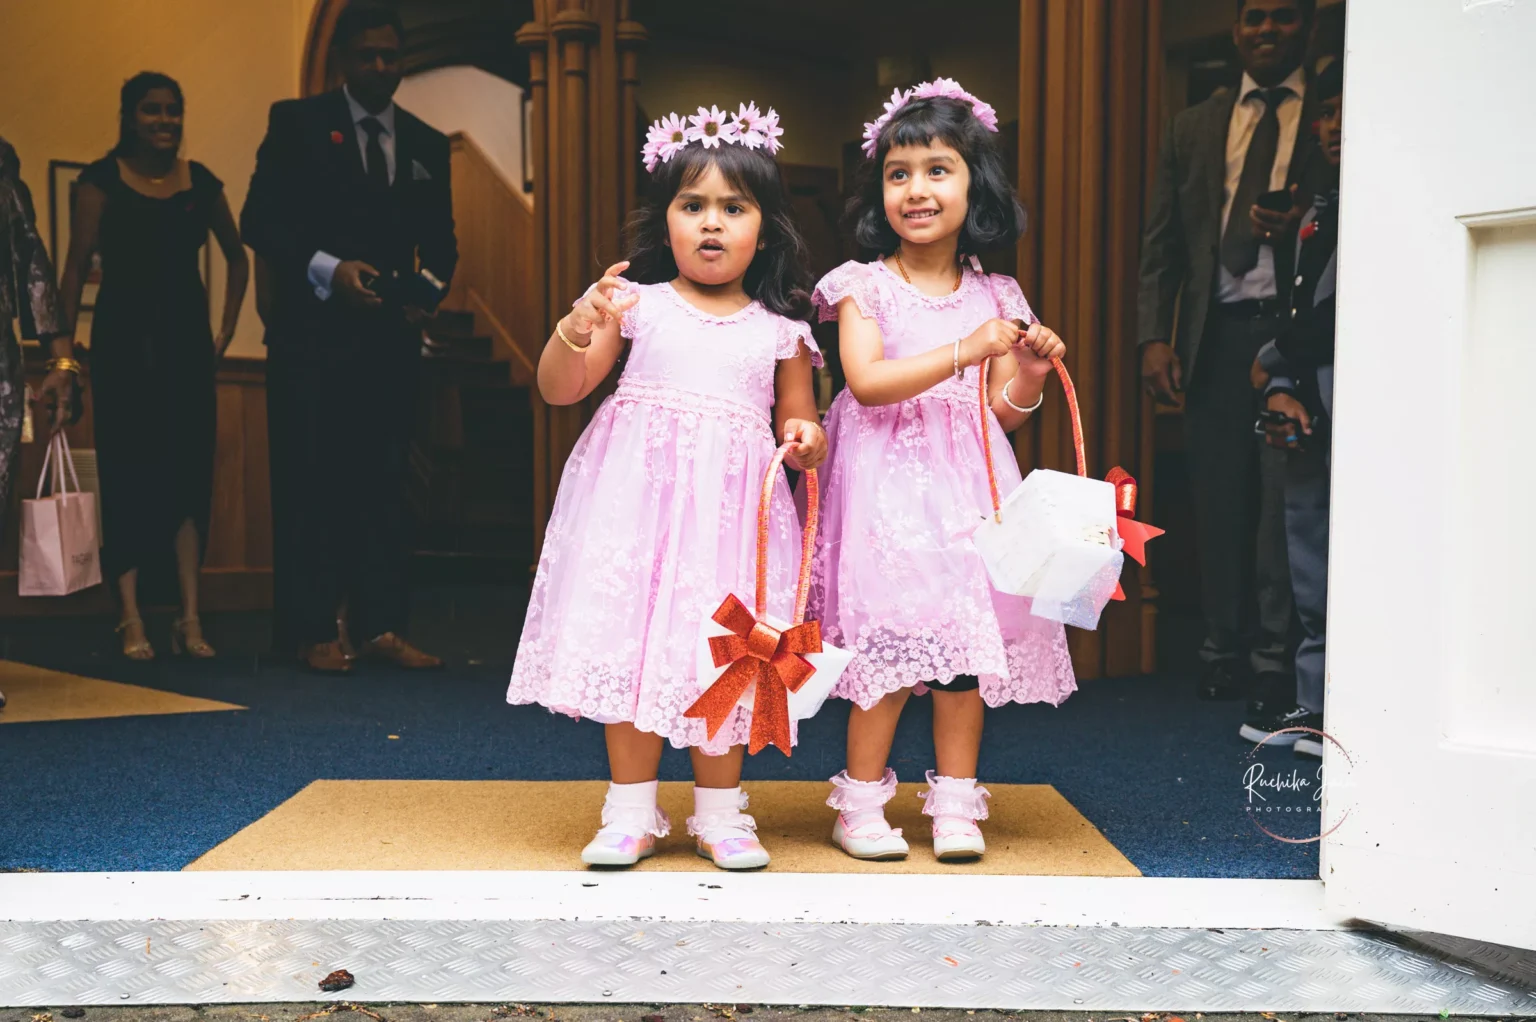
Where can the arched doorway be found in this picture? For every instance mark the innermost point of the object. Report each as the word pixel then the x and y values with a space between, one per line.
pixel 439 33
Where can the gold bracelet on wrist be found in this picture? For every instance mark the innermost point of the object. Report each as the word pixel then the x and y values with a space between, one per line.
pixel 580 349
pixel 65 363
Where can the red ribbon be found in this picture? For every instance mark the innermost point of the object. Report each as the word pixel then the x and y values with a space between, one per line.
pixel 1133 534
pixel 757 654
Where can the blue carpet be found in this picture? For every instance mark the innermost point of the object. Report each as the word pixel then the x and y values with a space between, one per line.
pixel 1157 771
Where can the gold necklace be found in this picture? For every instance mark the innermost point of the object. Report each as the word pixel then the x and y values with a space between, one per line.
pixel 959 273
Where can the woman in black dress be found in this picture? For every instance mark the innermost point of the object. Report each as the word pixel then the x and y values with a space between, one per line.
pixel 147 212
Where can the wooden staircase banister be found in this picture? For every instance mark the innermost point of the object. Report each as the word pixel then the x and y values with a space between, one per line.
pixel 494 221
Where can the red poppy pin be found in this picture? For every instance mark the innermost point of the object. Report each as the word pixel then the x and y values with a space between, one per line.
pixel 1309 230
pixel 336 138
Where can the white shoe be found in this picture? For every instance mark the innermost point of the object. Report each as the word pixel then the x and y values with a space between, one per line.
pixel 726 835
pixel 873 839
pixel 956 803
pixel 615 848
pixel 631 824
pixel 861 829
pixel 1309 746
pixel 955 839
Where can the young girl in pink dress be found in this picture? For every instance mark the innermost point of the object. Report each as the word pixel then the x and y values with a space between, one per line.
pixel 896 578
pixel 656 517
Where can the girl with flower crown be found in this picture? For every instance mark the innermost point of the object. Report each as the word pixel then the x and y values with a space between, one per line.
pixel 896 578
pixel 655 517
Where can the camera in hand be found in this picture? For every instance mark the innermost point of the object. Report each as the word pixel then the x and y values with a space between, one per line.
pixel 398 290
pixel 1277 201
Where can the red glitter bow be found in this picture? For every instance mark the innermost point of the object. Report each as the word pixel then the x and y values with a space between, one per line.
pixel 1133 533
pixel 757 653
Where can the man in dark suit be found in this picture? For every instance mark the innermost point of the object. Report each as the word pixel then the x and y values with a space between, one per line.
pixel 349 190
pixel 1213 251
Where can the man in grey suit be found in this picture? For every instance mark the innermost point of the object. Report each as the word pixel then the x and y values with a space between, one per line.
pixel 1222 219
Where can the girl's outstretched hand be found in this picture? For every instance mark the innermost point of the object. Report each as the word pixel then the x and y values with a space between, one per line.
pixel 1036 347
pixel 810 442
pixel 600 305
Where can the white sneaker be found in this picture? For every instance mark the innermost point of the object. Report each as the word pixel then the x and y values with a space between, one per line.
pixel 631 824
pixel 956 803
pixel 726 835
pixel 873 838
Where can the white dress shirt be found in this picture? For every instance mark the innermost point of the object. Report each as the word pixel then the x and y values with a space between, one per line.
pixel 1258 282
pixel 322 265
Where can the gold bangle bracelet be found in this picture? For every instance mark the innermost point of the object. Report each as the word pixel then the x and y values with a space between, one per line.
pixel 580 349
pixel 68 365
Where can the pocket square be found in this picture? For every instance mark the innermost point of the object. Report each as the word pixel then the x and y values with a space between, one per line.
pixel 418 172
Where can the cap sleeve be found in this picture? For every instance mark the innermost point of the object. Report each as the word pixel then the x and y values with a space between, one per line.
pixel 102 174
pixel 1009 298
pixel 851 280
pixel 204 181
pixel 792 334
pixel 633 318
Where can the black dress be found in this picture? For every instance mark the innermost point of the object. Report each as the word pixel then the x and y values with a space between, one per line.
pixel 152 366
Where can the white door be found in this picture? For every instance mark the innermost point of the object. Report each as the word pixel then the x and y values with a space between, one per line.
pixel 1432 658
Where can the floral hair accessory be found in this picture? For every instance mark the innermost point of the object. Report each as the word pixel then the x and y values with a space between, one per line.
pixel 942 88
pixel 710 127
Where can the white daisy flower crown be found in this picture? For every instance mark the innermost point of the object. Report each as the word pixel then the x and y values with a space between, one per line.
pixel 711 126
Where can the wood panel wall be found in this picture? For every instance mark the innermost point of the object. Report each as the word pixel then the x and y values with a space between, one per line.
pixel 237 570
pixel 496 232
pixel 582 78
pixel 1087 136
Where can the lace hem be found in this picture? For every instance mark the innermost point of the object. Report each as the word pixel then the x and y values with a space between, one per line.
pixel 851 796
pixel 589 692
pixel 952 796
pixel 1028 669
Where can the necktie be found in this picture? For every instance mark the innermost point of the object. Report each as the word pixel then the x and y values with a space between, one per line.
pixel 1239 244
pixel 378 169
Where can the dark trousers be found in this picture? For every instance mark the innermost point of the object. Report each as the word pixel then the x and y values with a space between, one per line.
pixel 1239 485
pixel 1307 491
pixel 339 428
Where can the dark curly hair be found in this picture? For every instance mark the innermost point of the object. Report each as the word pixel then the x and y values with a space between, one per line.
pixel 779 277
pixel 995 218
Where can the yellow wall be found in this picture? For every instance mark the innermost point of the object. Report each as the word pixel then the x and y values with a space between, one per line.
pixel 65 60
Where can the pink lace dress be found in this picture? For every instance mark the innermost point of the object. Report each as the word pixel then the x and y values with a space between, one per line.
pixel 896 577
pixel 656 521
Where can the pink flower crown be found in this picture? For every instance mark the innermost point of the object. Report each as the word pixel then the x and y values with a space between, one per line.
pixel 946 88
pixel 710 127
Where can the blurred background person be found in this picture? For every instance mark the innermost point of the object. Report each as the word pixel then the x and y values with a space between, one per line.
pixel 1295 372
pixel 147 212
pixel 27 294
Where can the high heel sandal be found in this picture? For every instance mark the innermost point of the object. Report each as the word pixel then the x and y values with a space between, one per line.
pixel 181 645
pixel 135 650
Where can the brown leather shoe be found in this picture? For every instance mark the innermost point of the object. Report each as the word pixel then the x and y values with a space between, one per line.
pixel 396 650
pixel 325 658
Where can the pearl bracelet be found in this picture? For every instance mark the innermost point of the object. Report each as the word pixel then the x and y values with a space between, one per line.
pixel 1022 411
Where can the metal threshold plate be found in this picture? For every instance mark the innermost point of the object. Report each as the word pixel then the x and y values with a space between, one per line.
pixel 958 941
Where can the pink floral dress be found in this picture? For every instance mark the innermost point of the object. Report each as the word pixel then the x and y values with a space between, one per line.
pixel 656 521
pixel 897 579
